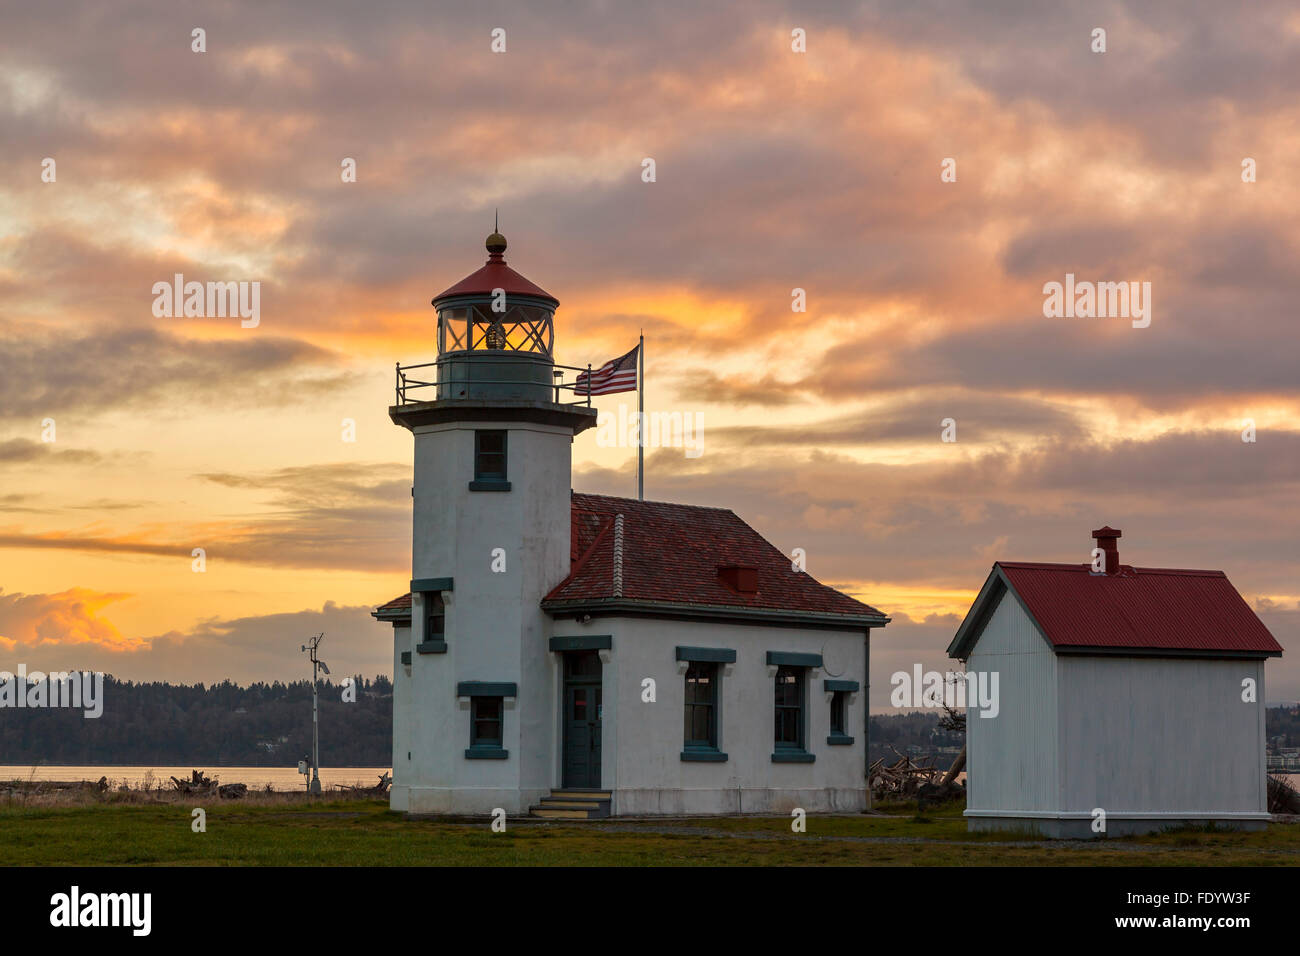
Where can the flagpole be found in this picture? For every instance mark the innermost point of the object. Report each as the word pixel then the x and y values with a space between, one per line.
pixel 640 431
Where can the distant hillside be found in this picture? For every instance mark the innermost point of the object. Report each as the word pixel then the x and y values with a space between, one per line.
pixel 263 725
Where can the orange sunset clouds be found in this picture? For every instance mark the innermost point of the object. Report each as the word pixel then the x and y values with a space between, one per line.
pixel 775 171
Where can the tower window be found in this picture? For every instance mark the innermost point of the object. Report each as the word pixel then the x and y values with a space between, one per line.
pixel 434 639
pixel 490 461
pixel 435 617
pixel 487 722
pixel 486 717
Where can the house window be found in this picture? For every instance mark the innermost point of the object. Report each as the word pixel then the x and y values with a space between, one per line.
pixel 485 723
pixel 789 708
pixel 701 717
pixel 841 692
pixel 490 456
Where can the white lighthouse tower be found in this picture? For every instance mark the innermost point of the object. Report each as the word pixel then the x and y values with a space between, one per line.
pixel 494 421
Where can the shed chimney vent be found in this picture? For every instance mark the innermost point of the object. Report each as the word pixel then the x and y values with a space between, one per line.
pixel 1106 538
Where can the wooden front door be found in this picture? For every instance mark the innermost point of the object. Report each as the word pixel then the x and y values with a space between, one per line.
pixel 583 707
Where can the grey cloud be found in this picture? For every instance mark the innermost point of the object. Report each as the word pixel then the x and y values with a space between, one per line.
pixel 58 371
pixel 979 418
pixel 27 451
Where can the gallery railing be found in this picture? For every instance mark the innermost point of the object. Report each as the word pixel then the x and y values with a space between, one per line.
pixel 455 380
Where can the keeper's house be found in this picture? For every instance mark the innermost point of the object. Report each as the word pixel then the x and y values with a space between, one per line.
pixel 1129 697
pixel 580 655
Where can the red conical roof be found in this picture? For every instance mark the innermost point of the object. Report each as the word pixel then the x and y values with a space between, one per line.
pixel 496 275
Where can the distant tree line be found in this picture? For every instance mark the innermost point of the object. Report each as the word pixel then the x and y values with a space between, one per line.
pixel 921 729
pixel 262 725
pixel 269 725
pixel 1283 722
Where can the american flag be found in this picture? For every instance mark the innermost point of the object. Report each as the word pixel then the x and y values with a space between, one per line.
pixel 616 375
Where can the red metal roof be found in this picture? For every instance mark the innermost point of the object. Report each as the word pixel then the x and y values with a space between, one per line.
pixel 496 275
pixel 1151 608
pixel 671 554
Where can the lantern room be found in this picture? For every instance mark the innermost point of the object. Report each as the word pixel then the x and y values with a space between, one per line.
pixel 496 341
pixel 495 309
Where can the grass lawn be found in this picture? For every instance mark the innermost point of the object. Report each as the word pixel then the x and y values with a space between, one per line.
pixel 365 832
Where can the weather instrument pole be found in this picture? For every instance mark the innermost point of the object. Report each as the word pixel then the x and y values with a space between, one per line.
pixel 316 666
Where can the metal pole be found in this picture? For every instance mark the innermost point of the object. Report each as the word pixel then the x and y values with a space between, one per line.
pixel 640 424
pixel 315 729
pixel 312 645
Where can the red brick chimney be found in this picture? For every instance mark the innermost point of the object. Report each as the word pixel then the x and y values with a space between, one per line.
pixel 741 578
pixel 1106 538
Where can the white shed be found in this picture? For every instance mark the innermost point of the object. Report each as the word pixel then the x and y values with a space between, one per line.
pixel 1130 699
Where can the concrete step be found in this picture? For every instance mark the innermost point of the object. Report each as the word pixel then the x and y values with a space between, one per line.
pixel 547 813
pixel 583 794
pixel 574 805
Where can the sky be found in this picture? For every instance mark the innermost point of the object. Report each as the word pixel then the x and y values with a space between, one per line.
pixel 128 440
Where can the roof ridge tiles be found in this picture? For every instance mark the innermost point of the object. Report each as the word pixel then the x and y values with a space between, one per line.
pixel 640 502
pixel 1056 566
pixel 578 565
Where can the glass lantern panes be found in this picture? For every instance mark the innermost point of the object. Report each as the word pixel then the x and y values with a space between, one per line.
pixel 520 328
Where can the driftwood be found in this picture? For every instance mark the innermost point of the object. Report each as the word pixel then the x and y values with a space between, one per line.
pixel 902 778
pixel 385 781
pixel 915 778
pixel 232 791
pixel 199 782
pixel 957 767
pixel 1282 796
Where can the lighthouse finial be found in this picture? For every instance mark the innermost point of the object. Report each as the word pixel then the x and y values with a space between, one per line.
pixel 496 243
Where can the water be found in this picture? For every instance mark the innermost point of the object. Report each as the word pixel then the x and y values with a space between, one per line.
pixel 280 778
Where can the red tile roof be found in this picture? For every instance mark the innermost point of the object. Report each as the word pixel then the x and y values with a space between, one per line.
pixel 670 559
pixel 670 556
pixel 1148 609
pixel 395 607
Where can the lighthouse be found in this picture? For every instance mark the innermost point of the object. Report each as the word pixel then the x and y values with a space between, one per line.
pixel 493 420
pixel 575 655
